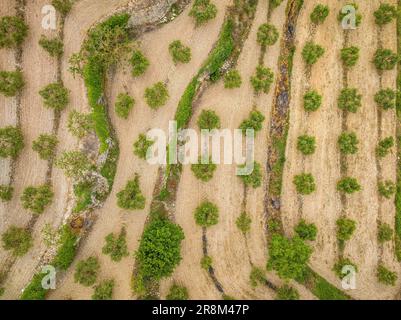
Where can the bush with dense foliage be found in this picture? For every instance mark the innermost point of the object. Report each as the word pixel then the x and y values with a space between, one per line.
pixel 312 52
pixel 208 120
pixel 63 6
pixel 306 144
pixel 157 95
pixel 11 82
pixel 288 257
pixel 6 193
pixel 340 264
pixel 104 290
pixel 387 188
pixel 267 35
pixel 116 246
pixel 74 163
pixel 254 179
pixel 139 63
pixel 159 249
pixel 55 96
pixel 262 80
pixel 203 11
pixel 385 59
pixel 348 185
pixel 384 232
pixel 386 276
pixel 384 147
pixel 358 17
pixel 206 262
pixel 79 124
pixel 207 214
pixel 142 145
pixel 67 246
pixel 232 79
pixel 204 171
pixel 287 293
pixel 385 14
pixel 54 46
pixel 45 145
pixel 179 52
pixel 386 99
pixel 257 276
pixel 13 31
pixel 312 101
pixel 86 271
pixel 345 229
pixel 319 14
pixel 177 292
pixel 304 183
pixel 243 223
pixel 36 199
pixel 349 100
pixel 17 240
pixel 350 56
pixel 131 198
pixel 306 231
pixel 254 122
pixel 11 142
pixel 348 143
pixel 124 105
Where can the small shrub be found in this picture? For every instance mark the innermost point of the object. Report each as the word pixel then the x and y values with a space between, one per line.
pixel 384 147
pixel 348 143
pixel 179 52
pixel 157 95
pixel 142 145
pixel 45 146
pixel 53 46
pixel 312 52
pixel 87 271
pixel 6 193
pixel 384 233
pixel 116 247
pixel 385 14
pixel 312 101
pixel 243 223
pixel 287 293
pixel 139 63
pixel 13 31
pixel 55 96
pixel 204 172
pixel 11 142
pixel 37 199
pixel 104 290
pixel 358 18
pixel 254 179
pixel 306 231
pixel 319 14
pixel 306 144
pixel 262 80
pixel 387 188
pixel 208 120
pixel 257 276
pixel 177 292
pixel 17 240
pixel 124 105
pixel 74 163
pixel 340 264
pixel 385 59
pixel 131 198
pixel 349 100
pixel 63 6
pixel 304 183
pixel 232 79
pixel 350 56
pixel 345 229
pixel 207 214
pixel 203 11
pixel 267 35
pixel 386 99
pixel 386 276
pixel 254 121
pixel 348 185
pixel 79 124
pixel 206 262
pixel 11 82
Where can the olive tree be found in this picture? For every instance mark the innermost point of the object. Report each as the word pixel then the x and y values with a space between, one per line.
pixel 36 199
pixel 203 11
pixel 11 142
pixel 13 31
pixel 45 145
pixel 79 124
pixel 18 240
pixel 207 214
pixel 55 96
pixel 267 35
pixel 11 82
